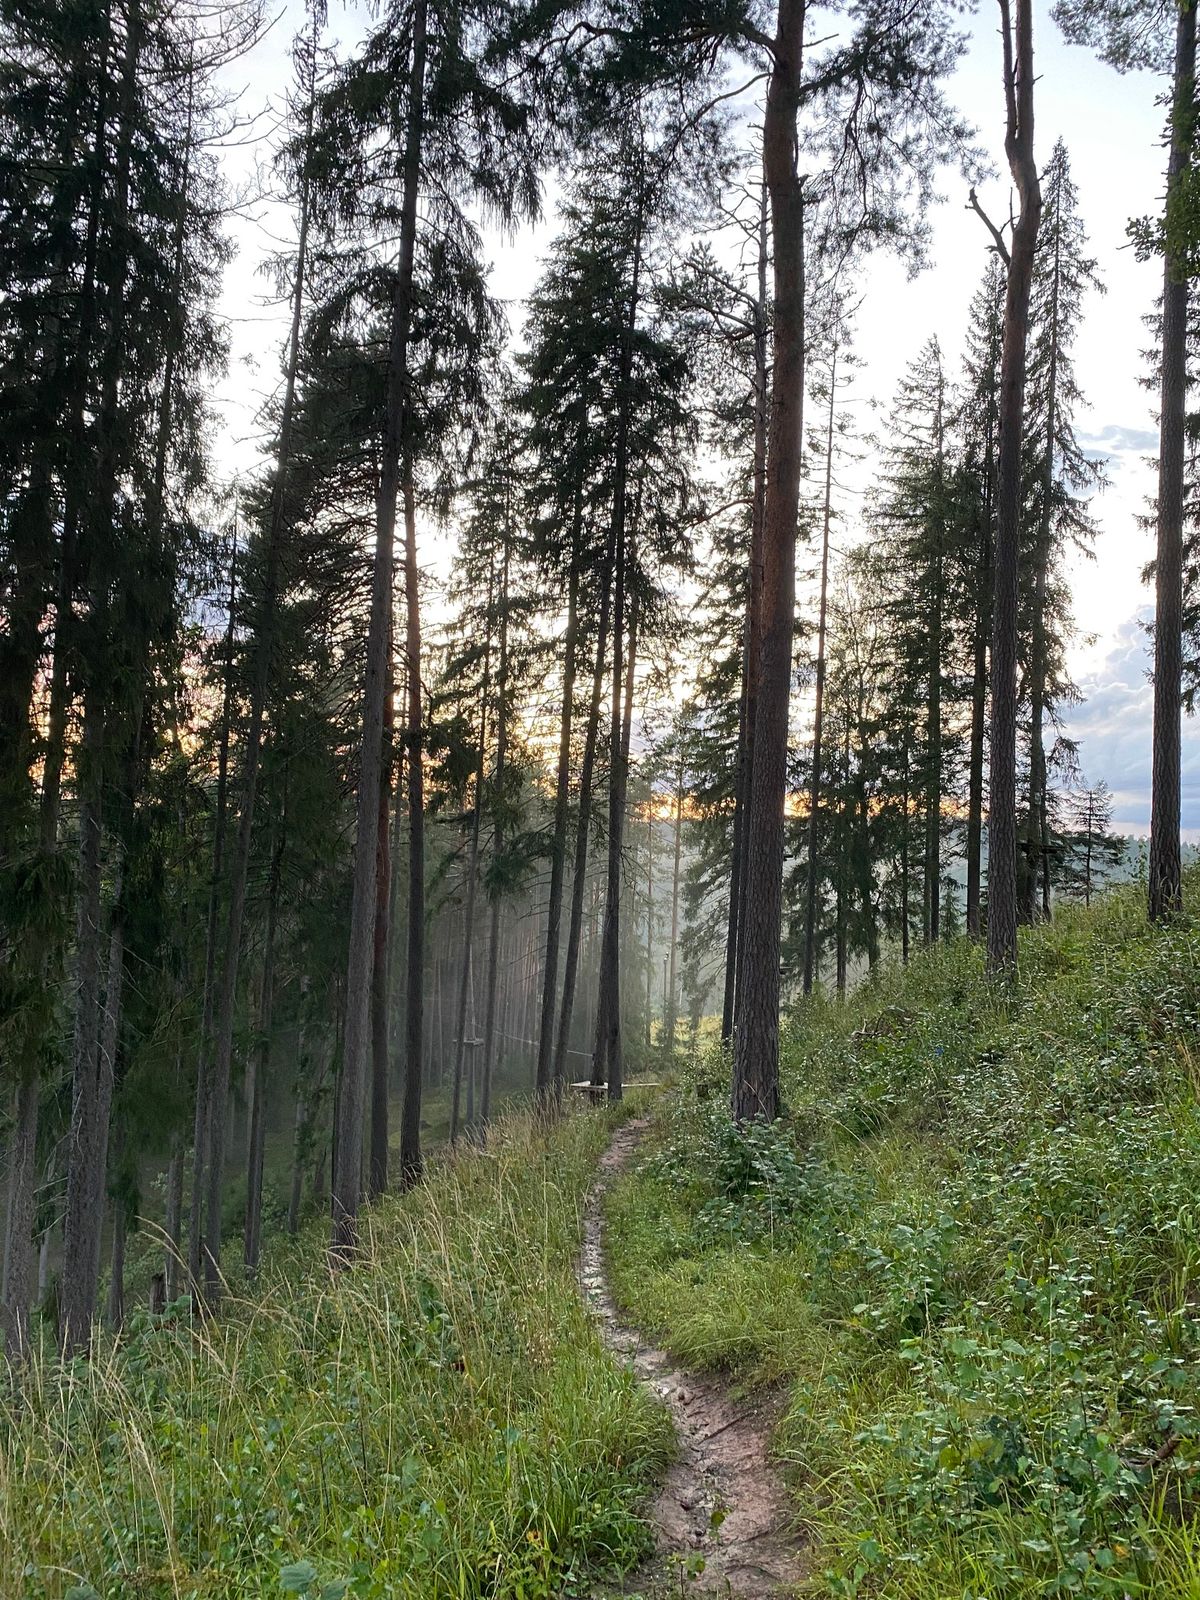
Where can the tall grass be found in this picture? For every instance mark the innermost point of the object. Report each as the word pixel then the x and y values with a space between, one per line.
pixel 442 1421
pixel 972 1251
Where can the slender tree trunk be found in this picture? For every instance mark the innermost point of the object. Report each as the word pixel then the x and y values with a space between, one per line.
pixel 22 1199
pixel 88 1143
pixel 979 680
pixel 410 1126
pixel 756 1045
pixel 1165 886
pixel 751 631
pixel 607 1059
pixel 933 711
pixel 173 1222
pixel 582 830
pixel 203 1092
pixel 1037 855
pixel 252 1234
pixel 116 1282
pixel 377 1178
pixel 650 922
pixel 1017 29
pixel 489 1025
pixel 347 1182
pixel 814 792
pixel 562 798
pixel 465 975
pixel 906 822
pixel 212 1153
pixel 672 1008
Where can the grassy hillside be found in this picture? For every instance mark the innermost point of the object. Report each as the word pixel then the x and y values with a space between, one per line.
pixel 441 1422
pixel 972 1255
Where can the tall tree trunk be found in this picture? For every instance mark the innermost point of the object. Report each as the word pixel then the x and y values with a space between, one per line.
pixel 905 826
pixel 489 1026
pixel 582 829
pixel 814 791
pixel 1037 856
pixel 173 1222
pixel 203 1090
pixel 672 1007
pixel 607 1059
pixel 88 1142
pixel 116 1281
pixel 1017 31
pixel 562 799
pixel 751 631
pixel 933 709
pixel 1165 886
pixel 650 921
pixel 979 680
pixel 465 972
pixel 756 1044
pixel 414 1015
pixel 212 1153
pixel 78 1297
pixel 347 1179
pixel 252 1233
pixel 22 1198
pixel 381 1019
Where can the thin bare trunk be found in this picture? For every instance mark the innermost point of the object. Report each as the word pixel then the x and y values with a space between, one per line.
pixel 1017 32
pixel 755 1089
pixel 751 632
pixel 395 476
pixel 1165 887
pixel 814 791
pixel 489 1026
pixel 377 1176
pixel 212 1153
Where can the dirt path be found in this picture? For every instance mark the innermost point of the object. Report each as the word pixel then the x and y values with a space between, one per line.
pixel 724 1464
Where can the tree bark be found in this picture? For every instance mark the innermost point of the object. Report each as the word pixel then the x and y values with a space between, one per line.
pixel 489 1025
pixel 1017 31
pixel 377 1176
pixel 671 1015
pixel 751 630
pixel 755 1091
pixel 465 974
pixel 814 791
pixel 203 1090
pixel 582 830
pixel 562 796
pixel 252 1233
pixel 933 712
pixel 1165 886
pixel 414 1015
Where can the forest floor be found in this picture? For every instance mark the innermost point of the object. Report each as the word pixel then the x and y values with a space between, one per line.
pixel 967 1258
pixel 722 1519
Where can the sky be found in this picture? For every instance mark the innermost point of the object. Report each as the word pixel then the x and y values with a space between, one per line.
pixel 1112 126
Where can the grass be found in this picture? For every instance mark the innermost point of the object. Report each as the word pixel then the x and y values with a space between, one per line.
pixel 443 1421
pixel 971 1251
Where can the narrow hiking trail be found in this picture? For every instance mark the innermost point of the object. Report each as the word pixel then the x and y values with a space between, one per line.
pixel 723 1499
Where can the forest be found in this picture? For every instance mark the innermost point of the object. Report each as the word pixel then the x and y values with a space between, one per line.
pixel 578 1015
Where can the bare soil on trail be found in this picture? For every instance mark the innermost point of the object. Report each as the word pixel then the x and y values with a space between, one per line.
pixel 723 1500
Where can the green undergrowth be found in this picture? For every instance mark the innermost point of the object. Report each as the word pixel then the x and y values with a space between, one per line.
pixel 971 1250
pixel 441 1421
